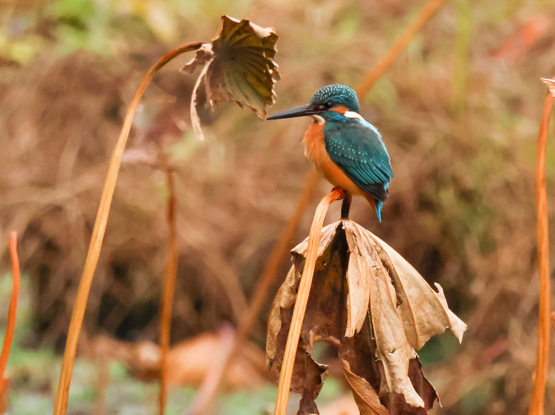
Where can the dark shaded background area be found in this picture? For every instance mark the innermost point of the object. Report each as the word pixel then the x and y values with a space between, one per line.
pixel 459 112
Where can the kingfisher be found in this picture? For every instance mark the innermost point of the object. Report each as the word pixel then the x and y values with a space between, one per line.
pixel 346 149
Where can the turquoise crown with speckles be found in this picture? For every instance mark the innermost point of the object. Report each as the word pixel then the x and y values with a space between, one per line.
pixel 336 95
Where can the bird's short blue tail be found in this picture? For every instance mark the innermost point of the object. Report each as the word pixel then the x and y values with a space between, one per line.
pixel 380 204
pixel 379 210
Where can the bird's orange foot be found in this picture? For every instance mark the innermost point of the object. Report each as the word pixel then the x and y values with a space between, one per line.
pixel 338 193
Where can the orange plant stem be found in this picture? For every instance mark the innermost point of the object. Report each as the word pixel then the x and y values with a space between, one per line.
pixel 60 404
pixel 168 293
pixel 13 305
pixel 422 17
pixel 8 338
pixel 301 301
pixel 536 407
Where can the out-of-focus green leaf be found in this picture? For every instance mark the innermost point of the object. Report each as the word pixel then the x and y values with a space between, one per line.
pixel 240 67
pixel 22 50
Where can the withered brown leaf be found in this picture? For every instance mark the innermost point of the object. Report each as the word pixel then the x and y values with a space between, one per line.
pixel 360 260
pixel 365 396
pixel 239 67
pixel 424 312
pixel 550 84
pixel 366 300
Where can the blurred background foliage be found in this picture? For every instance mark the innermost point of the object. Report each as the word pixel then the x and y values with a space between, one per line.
pixel 459 111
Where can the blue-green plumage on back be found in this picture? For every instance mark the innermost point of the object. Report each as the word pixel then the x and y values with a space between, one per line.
pixel 352 144
pixel 358 150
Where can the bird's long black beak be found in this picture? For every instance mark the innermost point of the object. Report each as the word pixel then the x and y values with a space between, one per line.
pixel 295 112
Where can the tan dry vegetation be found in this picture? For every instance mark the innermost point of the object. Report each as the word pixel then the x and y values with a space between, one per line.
pixel 461 207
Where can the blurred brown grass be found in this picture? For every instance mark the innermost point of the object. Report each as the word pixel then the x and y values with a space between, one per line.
pixel 462 200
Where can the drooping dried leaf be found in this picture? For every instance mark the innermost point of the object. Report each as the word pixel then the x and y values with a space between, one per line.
pixel 285 298
pixel 358 283
pixel 239 67
pixel 327 235
pixel 424 388
pixel 396 402
pixel 365 396
pixel 378 360
pixel 308 380
pixel 424 312
pixel 287 294
pixel 456 325
pixel 323 319
pixel 550 84
pixel 391 341
pixel 360 353
pixel 243 69
pixel 203 55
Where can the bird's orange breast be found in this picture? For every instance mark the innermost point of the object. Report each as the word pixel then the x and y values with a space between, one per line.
pixel 315 150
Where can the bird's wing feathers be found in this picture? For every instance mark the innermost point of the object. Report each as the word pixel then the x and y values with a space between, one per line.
pixel 357 149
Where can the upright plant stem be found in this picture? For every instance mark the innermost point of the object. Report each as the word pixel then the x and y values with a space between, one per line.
pixel 537 404
pixel 168 292
pixel 460 56
pixel 10 327
pixel 301 301
pixel 422 17
pixel 60 404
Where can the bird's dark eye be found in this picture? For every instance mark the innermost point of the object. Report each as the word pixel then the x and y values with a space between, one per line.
pixel 328 104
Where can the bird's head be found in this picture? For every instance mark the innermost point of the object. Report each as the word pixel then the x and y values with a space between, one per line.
pixel 332 99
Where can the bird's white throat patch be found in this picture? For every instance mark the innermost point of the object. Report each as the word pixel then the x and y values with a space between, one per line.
pixel 352 114
pixel 318 119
